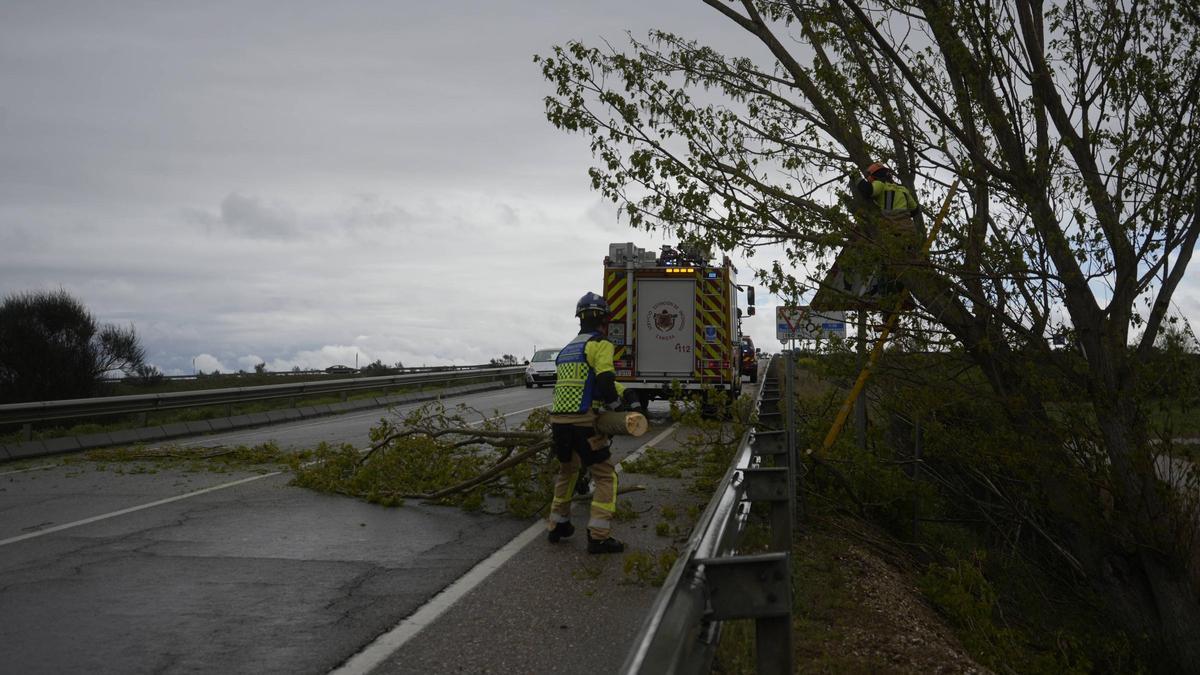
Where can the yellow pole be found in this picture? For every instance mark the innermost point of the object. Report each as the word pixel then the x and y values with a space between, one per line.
pixel 848 404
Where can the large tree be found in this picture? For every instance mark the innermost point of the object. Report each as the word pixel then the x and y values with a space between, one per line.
pixel 51 347
pixel 1071 129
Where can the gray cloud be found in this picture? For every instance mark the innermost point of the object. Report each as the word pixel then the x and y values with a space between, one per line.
pixel 254 217
pixel 372 214
pixel 251 217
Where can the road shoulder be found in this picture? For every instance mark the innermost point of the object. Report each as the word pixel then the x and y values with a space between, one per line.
pixel 553 608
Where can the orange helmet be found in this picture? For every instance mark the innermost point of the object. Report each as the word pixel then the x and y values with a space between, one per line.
pixel 877 170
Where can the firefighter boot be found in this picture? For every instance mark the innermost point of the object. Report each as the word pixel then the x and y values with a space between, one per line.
pixel 608 545
pixel 560 531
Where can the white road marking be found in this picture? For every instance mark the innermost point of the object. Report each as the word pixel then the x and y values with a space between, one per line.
pixel 32 468
pixel 114 514
pixel 387 644
pixel 638 453
pixel 390 642
pixel 168 500
pixel 515 412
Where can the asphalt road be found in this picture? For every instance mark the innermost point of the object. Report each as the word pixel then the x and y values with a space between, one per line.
pixel 173 571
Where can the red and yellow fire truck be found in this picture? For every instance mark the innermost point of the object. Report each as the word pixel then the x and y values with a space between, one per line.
pixel 675 319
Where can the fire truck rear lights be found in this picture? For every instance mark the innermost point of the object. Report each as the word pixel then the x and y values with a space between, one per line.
pixel 680 270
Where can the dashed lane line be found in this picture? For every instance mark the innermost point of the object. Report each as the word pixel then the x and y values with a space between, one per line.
pixel 132 509
pixel 31 468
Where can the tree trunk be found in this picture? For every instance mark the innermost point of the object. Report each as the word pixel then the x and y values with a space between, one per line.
pixel 622 423
pixel 1177 608
pixel 1167 599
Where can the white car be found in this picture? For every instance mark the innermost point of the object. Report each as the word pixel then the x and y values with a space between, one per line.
pixel 541 369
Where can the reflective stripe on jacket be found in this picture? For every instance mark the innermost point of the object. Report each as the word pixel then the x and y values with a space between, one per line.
pixel 894 200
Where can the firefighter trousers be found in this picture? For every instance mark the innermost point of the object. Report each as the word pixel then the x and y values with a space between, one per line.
pixel 604 495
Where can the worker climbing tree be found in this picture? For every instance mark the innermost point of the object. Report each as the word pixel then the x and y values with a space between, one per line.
pixel 1071 130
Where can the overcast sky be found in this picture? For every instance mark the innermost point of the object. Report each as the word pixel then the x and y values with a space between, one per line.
pixel 298 183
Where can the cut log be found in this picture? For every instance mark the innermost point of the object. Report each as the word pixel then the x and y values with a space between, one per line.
pixel 622 423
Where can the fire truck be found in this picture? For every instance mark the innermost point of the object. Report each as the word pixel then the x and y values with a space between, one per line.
pixel 675 319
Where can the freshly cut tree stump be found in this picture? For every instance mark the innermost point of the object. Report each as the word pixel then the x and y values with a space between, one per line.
pixel 622 423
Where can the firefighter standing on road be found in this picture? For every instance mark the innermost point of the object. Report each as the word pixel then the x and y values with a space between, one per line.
pixel 586 378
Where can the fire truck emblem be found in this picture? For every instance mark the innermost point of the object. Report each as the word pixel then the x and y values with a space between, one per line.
pixel 666 318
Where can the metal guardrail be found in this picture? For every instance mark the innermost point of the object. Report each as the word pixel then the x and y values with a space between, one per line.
pixel 40 411
pixel 287 374
pixel 710 582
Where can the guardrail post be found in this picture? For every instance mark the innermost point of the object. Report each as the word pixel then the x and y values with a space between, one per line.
pixel 755 587
pixel 770 484
pixel 788 391
pixel 142 418
pixel 769 442
pixel 27 431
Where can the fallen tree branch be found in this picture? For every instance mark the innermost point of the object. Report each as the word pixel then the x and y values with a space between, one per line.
pixel 433 455
pixel 517 438
pixel 483 477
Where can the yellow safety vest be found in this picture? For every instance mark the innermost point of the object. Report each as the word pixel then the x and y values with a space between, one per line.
pixel 894 200
pixel 588 355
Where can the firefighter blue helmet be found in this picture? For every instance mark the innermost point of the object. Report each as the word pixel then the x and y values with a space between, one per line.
pixel 590 302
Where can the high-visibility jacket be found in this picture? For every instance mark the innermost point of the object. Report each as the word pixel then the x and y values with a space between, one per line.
pixel 894 200
pixel 578 364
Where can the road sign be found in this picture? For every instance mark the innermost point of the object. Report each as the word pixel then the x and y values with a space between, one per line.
pixel 802 323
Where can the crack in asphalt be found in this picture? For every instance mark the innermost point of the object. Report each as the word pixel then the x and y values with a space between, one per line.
pixel 99 552
pixel 348 591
